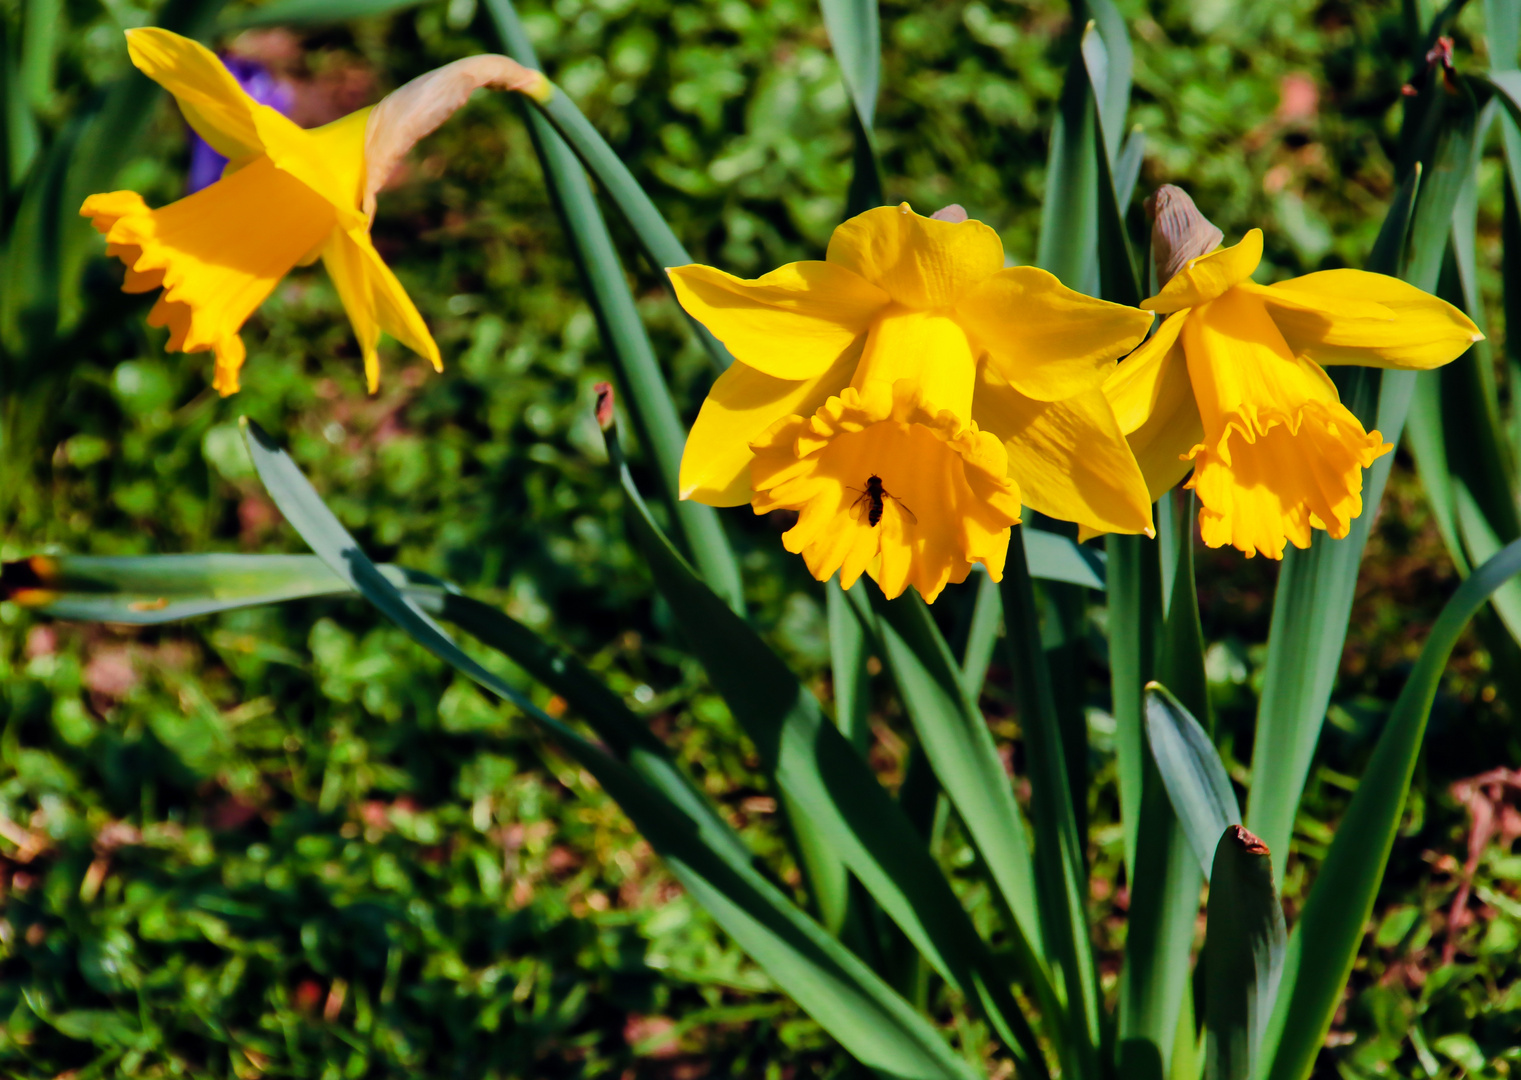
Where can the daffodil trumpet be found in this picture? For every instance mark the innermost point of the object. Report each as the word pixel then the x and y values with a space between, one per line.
pixel 906 395
pixel 286 197
pixel 1233 384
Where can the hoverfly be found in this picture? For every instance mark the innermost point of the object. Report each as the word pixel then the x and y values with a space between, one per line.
pixel 871 498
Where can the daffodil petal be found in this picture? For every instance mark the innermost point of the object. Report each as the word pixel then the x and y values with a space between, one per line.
pixel 741 406
pixel 1134 387
pixel 375 302
pixel 1280 455
pixel 416 109
pixel 1153 400
pixel 944 500
pixel 1069 457
pixel 793 323
pixel 1209 276
pixel 208 94
pixel 1356 317
pixel 1045 339
pixel 929 349
pixel 921 262
pixel 217 253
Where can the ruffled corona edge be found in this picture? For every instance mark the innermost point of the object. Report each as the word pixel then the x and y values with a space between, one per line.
pixel 1273 476
pixel 942 499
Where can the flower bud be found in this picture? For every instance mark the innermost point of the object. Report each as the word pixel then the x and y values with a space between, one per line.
pixel 1179 232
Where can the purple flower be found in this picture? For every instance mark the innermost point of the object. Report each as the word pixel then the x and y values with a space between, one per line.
pixel 256 80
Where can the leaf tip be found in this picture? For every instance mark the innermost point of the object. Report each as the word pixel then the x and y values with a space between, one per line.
pixel 1248 841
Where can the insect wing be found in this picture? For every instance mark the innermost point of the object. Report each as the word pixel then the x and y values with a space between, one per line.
pixel 912 518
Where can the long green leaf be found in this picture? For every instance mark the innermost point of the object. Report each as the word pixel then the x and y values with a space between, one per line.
pixel 1243 956
pixel 1197 783
pixel 151 589
pixel 659 243
pixel 1315 586
pixel 1060 859
pixel 659 425
pixel 828 789
pixel 874 1024
pixel 312 12
pixel 855 33
pixel 955 737
pixel 1324 943
pixel 1166 876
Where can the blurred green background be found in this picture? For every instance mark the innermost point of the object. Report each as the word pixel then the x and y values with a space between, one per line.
pixel 286 842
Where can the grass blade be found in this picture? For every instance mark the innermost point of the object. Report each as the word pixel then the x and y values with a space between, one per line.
pixel 1324 943
pixel 872 1022
pixel 660 427
pixel 1243 956
pixel 1196 780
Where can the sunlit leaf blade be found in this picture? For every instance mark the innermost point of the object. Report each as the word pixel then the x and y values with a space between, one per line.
pixel 1313 600
pixel 1197 783
pixel 1325 941
pixel 828 788
pixel 1061 873
pixel 656 419
pixel 876 1025
pixel 312 12
pixel 1243 956
pixel 1054 557
pixel 153 589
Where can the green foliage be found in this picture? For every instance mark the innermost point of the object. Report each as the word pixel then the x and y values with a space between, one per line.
pixel 287 841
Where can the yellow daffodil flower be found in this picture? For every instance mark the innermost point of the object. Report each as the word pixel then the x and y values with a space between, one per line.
pixel 286 197
pixel 1232 384
pixel 906 395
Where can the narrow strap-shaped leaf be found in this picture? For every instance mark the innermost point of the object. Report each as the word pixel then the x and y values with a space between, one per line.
pixel 150 589
pixel 659 425
pixel 312 12
pixel 1068 240
pixel 1313 600
pixel 1117 274
pixel 855 33
pixel 828 788
pixel 1197 783
pixel 955 737
pixel 1325 941
pixel 1054 557
pixel 659 243
pixel 1135 631
pixel 981 637
pixel 848 659
pixel 1243 956
pixel 1166 877
pixel 1060 861
pixel 872 1022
